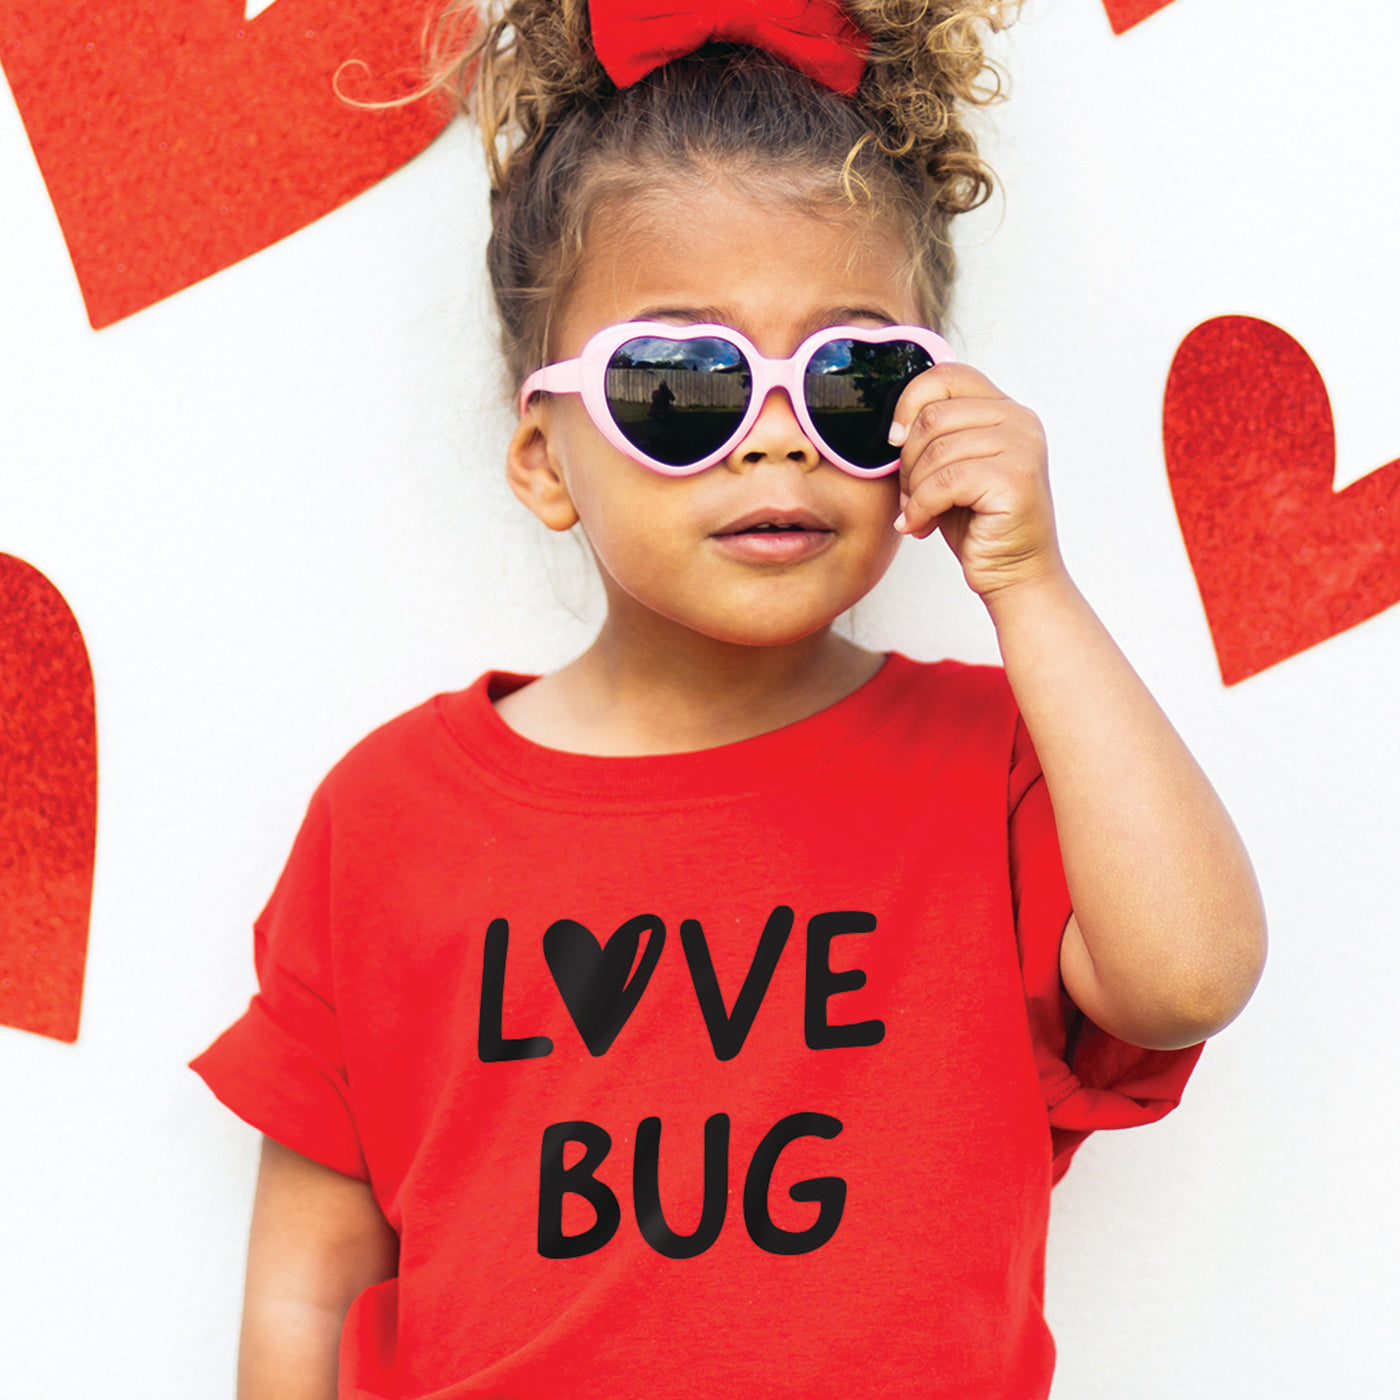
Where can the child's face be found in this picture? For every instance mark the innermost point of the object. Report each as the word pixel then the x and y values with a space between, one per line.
pixel 679 552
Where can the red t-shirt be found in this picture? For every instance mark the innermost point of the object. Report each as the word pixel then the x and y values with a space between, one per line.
pixel 741 1072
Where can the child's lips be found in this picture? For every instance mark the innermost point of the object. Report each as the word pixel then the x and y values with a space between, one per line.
pixel 769 535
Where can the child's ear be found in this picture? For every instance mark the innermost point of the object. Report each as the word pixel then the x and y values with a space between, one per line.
pixel 534 475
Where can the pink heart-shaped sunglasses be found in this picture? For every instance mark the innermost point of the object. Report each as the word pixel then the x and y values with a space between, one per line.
pixel 679 399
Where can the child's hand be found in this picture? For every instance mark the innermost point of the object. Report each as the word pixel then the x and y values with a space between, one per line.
pixel 973 465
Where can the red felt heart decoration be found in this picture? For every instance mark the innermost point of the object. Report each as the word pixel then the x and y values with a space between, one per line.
pixel 1281 559
pixel 48 804
pixel 176 137
pixel 1123 14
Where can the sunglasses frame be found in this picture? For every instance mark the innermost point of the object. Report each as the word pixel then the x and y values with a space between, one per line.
pixel 587 376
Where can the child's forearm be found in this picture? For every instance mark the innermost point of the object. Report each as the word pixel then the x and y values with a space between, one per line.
pixel 1167 940
pixel 317 1240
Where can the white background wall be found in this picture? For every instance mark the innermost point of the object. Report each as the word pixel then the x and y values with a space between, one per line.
pixel 275 504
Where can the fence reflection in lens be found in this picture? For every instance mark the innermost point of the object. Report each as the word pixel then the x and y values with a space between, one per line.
pixel 852 387
pixel 677 400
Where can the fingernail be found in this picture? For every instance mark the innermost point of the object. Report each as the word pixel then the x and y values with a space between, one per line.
pixel 900 523
pixel 898 433
pixel 903 499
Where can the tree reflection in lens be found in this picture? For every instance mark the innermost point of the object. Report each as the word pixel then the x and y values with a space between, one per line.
pixel 852 387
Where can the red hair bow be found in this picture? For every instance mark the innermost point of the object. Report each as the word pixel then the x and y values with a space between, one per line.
pixel 631 37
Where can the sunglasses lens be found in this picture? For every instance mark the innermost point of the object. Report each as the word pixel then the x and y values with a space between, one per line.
pixel 677 401
pixel 852 387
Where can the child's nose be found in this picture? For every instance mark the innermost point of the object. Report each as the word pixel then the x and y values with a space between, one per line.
pixel 776 436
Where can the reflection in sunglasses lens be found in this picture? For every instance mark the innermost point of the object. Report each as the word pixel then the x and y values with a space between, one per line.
pixel 677 400
pixel 852 387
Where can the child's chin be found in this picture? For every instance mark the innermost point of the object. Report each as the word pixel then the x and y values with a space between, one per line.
pixel 772 632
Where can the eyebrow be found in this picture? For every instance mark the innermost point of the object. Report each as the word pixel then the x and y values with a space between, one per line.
pixel 841 315
pixel 831 316
pixel 684 315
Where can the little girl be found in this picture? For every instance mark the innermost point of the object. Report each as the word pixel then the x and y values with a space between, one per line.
pixel 713 1015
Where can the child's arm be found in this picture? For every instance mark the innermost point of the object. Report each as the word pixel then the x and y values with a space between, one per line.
pixel 318 1239
pixel 1167 941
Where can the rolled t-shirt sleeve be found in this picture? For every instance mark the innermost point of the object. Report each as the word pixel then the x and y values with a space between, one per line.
pixel 280 1066
pixel 1090 1079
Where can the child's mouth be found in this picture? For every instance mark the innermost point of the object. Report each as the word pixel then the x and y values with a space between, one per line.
pixel 780 537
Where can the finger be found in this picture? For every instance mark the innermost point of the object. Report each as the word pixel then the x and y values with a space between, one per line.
pixel 942 382
pixel 971 472
pixel 940 424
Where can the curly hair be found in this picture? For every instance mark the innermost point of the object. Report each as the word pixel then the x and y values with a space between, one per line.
pixel 560 137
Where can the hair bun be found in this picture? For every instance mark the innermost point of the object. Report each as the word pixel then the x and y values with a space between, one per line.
pixel 518 66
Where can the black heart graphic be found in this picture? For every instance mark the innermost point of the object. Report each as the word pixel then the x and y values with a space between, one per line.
pixel 597 982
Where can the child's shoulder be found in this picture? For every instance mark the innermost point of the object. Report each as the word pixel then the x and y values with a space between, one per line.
pixel 958 692
pixel 417 744
pixel 917 717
